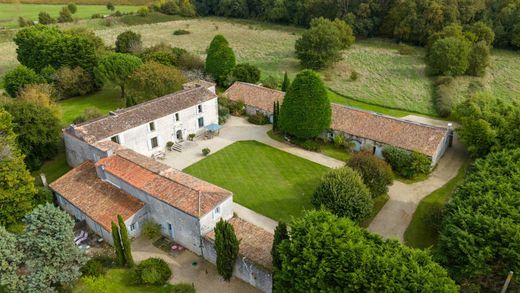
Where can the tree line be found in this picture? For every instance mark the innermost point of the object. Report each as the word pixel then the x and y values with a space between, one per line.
pixel 412 21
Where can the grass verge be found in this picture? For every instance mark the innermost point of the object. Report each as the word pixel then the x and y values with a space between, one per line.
pixel 269 181
pixel 423 229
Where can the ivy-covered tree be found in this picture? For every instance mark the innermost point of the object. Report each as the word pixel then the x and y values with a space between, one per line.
pixel 50 256
pixel 479 241
pixel 343 192
pixel 38 131
pixel 152 80
pixel 129 42
pixel 116 68
pixel 226 246
pixel 125 241
pixel 306 111
pixel 220 59
pixel 16 183
pixel 376 173
pixel 118 247
pixel 280 234
pixel 329 254
pixel 19 77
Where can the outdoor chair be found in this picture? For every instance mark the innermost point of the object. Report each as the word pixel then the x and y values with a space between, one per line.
pixel 80 240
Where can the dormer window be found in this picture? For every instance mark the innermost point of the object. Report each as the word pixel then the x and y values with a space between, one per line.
pixel 115 138
pixel 151 126
pixel 199 109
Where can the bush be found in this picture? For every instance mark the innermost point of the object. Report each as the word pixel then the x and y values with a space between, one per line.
pixel 45 18
pixel 270 82
pixel 191 136
pixel 19 77
pixel 151 229
pixel 376 173
pixel 339 140
pixel 88 113
pixel 43 94
pixel 479 59
pixel 143 11
pixel 22 22
pixel 206 151
pixel 189 61
pixel 72 8
pixel 258 119
pixel 354 75
pixel 96 15
pixel 152 271
pixel 110 6
pixel 405 163
pixel 449 56
pixel 247 73
pixel 182 288
pixel 93 268
pixel 405 49
pixel 444 92
pixel 65 15
pixel 165 58
pixel 343 192
pixel 181 32
pixel 310 145
pixel 170 7
pixel 128 42
pixel 105 260
pixel 73 82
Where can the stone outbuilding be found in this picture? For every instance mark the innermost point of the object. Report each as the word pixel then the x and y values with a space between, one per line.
pixel 257 99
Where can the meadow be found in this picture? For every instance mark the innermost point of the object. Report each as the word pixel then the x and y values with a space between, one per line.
pixel 9 12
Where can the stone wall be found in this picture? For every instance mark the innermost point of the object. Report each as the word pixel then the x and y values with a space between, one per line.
pixel 78 151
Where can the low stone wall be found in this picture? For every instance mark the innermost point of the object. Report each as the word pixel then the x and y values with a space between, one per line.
pixel 245 269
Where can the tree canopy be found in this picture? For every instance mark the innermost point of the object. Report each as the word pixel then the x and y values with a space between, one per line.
pixel 247 73
pixel 479 240
pixel 129 42
pixel 116 68
pixel 327 253
pixel 376 173
pixel 18 78
pixel 306 110
pixel 220 59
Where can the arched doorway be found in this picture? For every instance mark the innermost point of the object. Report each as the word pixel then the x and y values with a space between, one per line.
pixel 178 134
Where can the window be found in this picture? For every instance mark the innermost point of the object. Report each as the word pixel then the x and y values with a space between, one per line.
pixel 154 142
pixel 152 126
pixel 115 139
pixel 132 227
pixel 177 118
pixel 216 212
pixel 199 109
pixel 201 122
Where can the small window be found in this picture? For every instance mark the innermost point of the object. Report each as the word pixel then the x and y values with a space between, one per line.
pixel 152 126
pixel 115 139
pixel 201 122
pixel 154 142
pixel 199 108
pixel 177 118
pixel 216 212
pixel 132 227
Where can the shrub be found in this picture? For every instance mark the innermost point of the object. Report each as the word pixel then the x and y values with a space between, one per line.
pixel 449 56
pixel 223 114
pixel 479 59
pixel 444 92
pixel 339 140
pixel 270 82
pixel 17 78
pixel 181 32
pixel 22 22
pixel 45 18
pixel 73 82
pixel 88 113
pixel 170 7
pixel 258 119
pixel 48 73
pixel 407 164
pixel 182 288
pixel 190 61
pixel 405 49
pixel 96 15
pixel 376 173
pixel 72 8
pixel 43 196
pixel 191 136
pixel 151 229
pixel 151 271
pixel 310 145
pixel 205 151
pixel 128 42
pixel 110 6
pixel 247 73
pixel 143 11
pixel 93 268
pixel 105 260
pixel 42 94
pixel 237 108
pixel 65 15
pixel 343 192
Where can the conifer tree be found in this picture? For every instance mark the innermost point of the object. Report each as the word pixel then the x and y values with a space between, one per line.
pixel 125 241
pixel 275 117
pixel 117 245
pixel 220 59
pixel 286 82
pixel 227 246
pixel 280 234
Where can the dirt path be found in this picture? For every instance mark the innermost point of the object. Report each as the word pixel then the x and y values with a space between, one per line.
pixel 396 215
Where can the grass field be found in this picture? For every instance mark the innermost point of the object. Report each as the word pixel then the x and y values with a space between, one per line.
pixel 116 282
pixel 269 181
pixel 422 231
pixel 9 13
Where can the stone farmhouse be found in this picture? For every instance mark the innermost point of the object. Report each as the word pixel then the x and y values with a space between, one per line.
pixel 115 174
pixel 366 130
pixel 257 99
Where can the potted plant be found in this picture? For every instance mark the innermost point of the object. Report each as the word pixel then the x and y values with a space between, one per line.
pixel 206 151
pixel 191 136
pixel 169 145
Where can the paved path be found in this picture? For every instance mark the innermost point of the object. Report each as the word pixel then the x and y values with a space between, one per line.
pixel 254 217
pixel 203 275
pixel 396 214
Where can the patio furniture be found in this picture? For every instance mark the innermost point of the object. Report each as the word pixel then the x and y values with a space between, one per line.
pixel 159 155
pixel 81 239
pixel 80 235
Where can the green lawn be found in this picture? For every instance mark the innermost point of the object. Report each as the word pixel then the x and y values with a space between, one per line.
pixel 115 282
pixel 269 181
pixel 9 12
pixel 422 231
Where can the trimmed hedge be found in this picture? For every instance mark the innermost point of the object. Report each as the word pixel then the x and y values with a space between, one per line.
pixel 407 164
pixel 151 271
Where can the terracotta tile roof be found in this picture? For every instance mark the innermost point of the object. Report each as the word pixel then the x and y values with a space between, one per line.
pixel 99 200
pixel 180 190
pixel 255 242
pixel 396 132
pixel 124 119
pixel 254 95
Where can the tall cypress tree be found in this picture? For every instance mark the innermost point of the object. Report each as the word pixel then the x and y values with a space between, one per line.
pixel 280 234
pixel 127 249
pixel 227 246
pixel 275 118
pixel 220 59
pixel 286 82
pixel 117 245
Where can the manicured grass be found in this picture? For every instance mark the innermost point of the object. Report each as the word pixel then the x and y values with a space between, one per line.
pixel 106 100
pixel 379 202
pixel 269 181
pixel 422 231
pixel 116 282
pixel 9 13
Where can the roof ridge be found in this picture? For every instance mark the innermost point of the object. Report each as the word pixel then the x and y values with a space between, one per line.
pixel 259 86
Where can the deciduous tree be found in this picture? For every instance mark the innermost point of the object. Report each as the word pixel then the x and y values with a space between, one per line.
pixel 129 42
pixel 116 68
pixel 17 78
pixel 247 73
